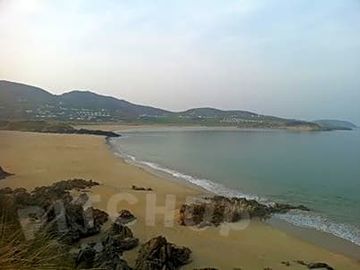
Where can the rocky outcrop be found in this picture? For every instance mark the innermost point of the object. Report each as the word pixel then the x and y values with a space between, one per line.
pixel 158 253
pixel 61 215
pixel 219 209
pixel 3 173
pixel 107 253
pixel 125 216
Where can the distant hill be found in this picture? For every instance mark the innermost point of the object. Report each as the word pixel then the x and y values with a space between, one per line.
pixel 20 101
pixel 335 124
pixel 25 102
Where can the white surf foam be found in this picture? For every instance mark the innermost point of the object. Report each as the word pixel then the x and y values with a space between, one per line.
pixel 298 218
pixel 316 221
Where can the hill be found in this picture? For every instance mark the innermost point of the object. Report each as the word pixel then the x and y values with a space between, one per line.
pixel 20 101
pixel 335 124
pixel 26 102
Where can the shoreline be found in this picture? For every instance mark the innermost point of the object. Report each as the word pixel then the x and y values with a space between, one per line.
pixel 320 238
pixel 51 157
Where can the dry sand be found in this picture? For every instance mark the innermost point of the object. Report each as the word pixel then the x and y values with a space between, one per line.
pixel 41 159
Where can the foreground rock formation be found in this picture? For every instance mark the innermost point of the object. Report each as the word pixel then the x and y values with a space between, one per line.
pixel 65 220
pixel 107 253
pixel 158 253
pixel 219 209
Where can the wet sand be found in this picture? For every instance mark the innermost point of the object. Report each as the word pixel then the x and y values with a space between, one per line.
pixel 42 159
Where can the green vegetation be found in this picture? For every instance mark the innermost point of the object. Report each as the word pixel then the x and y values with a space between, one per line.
pixel 51 127
pixel 23 102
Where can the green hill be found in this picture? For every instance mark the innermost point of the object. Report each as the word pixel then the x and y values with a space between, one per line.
pixel 25 102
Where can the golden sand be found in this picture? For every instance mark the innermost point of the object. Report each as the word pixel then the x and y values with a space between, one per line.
pixel 41 159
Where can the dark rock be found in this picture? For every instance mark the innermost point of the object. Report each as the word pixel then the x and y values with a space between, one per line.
pixel 120 230
pixel 98 217
pixel 286 263
pixel 108 134
pixel 133 187
pixel 125 216
pixel 107 254
pixel 85 258
pixel 219 209
pixel 120 237
pixel 4 174
pixel 319 266
pixel 316 265
pixel 157 254
pixel 284 208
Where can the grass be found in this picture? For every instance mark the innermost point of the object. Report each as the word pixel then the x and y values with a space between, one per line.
pixel 43 252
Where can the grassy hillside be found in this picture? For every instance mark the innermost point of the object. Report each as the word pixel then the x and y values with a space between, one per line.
pixel 25 102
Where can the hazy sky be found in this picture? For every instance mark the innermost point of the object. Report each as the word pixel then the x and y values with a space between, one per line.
pixel 295 58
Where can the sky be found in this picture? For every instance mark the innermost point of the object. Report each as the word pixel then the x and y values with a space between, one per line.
pixel 290 58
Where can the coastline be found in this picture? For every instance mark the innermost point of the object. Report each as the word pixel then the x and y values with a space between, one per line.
pixel 52 157
pixel 312 235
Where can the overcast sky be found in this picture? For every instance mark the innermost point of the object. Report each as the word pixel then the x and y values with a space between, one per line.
pixel 293 58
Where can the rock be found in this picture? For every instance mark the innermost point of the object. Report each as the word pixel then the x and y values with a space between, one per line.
pixel 284 208
pixel 286 263
pixel 319 265
pixel 133 187
pixel 157 253
pixel 85 258
pixel 4 174
pixel 316 265
pixel 219 209
pixel 107 258
pixel 98 217
pixel 120 230
pixel 125 216
pixel 82 199
pixel 107 253
pixel 119 243
pixel 120 237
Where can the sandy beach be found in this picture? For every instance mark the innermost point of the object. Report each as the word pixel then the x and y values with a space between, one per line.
pixel 41 159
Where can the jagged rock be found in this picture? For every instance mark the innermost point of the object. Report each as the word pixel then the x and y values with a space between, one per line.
pixel 106 254
pixel 63 218
pixel 120 237
pixel 98 217
pixel 125 216
pixel 219 209
pixel 4 174
pixel 158 254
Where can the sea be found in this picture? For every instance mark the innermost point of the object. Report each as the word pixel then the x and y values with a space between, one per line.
pixel 320 170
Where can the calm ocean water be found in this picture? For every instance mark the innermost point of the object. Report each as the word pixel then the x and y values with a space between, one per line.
pixel 318 169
